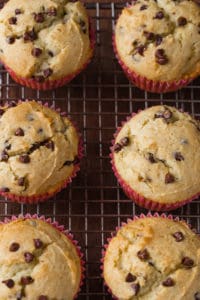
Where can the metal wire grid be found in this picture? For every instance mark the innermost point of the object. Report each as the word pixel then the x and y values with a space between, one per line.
pixel 98 100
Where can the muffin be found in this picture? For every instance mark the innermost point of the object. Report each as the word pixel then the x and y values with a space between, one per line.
pixel 153 258
pixel 38 261
pixel 157 43
pixel 39 151
pixel 44 44
pixel 156 158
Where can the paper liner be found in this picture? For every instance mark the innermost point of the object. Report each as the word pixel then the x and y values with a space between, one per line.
pixel 134 195
pixel 141 216
pixel 60 228
pixel 147 84
pixel 43 197
pixel 52 84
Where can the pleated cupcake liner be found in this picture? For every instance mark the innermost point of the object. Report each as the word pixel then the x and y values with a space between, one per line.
pixel 135 218
pixel 34 199
pixel 55 83
pixel 149 85
pixel 61 229
pixel 133 194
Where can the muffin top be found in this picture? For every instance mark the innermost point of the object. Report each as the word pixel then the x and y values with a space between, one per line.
pixel 38 149
pixel 44 39
pixel 157 154
pixel 153 258
pixel 37 262
pixel 160 39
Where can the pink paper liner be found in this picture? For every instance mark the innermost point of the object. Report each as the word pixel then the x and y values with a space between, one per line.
pixel 147 84
pixel 34 199
pixel 141 216
pixel 60 228
pixel 134 195
pixel 53 84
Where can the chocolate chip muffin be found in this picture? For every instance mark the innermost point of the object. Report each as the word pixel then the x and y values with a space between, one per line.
pixel 42 41
pixel 153 258
pixel 38 262
pixel 156 158
pixel 157 43
pixel 39 151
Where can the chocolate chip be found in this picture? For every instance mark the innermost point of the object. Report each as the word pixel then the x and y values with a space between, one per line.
pixel 124 142
pixel 187 262
pixel 143 254
pixel 161 57
pixel 42 297
pixel 8 147
pixel 52 11
pixel 140 50
pixel 178 156
pixel 143 7
pixel 21 181
pixel 14 247
pixel 18 11
pixel 24 158
pixel 19 132
pixel 4 190
pixel 12 20
pixel 2 111
pixel 10 39
pixel 168 282
pixel 136 288
pixel 29 257
pixel 39 18
pixel 167 114
pixel 47 72
pixel 39 78
pixel 197 295
pixel 36 52
pixel 26 280
pixel 151 158
pixel 50 145
pixel 30 35
pixel 50 53
pixel 9 283
pixel 2 3
pixel 182 21
pixel 149 35
pixel 117 147
pixel 40 130
pixel 4 156
pixel 158 39
pixel 38 243
pixel 159 15
pixel 130 277
pixel 169 178
pixel 178 236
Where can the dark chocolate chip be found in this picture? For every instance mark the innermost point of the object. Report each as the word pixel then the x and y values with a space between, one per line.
pixel 26 280
pixel 8 147
pixel 143 7
pixel 50 145
pixel 151 158
pixel 30 35
pixel 19 132
pixel 167 114
pixel 9 283
pixel 12 20
pixel 161 57
pixel 40 130
pixel 178 156
pixel 140 50
pixel 21 181
pixel 178 236
pixel 143 254
pixel 10 39
pixel 39 18
pixel 52 11
pixel 130 277
pixel 4 189
pixel 14 247
pixel 168 282
pixel 50 53
pixel 117 147
pixel 39 78
pixel 149 35
pixel 182 21
pixel 2 111
pixel 158 39
pixel 187 262
pixel 169 178
pixel 47 72
pixel 38 243
pixel 197 295
pixel 159 15
pixel 42 297
pixel 4 156
pixel 29 257
pixel 36 52
pixel 124 141
pixel 136 288
pixel 18 11
pixel 24 158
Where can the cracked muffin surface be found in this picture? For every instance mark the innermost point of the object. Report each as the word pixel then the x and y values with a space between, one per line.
pixel 37 262
pixel 38 149
pixel 46 39
pixel 153 258
pixel 156 153
pixel 160 40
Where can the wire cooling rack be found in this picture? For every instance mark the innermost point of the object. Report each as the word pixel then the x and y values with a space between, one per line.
pixel 98 100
